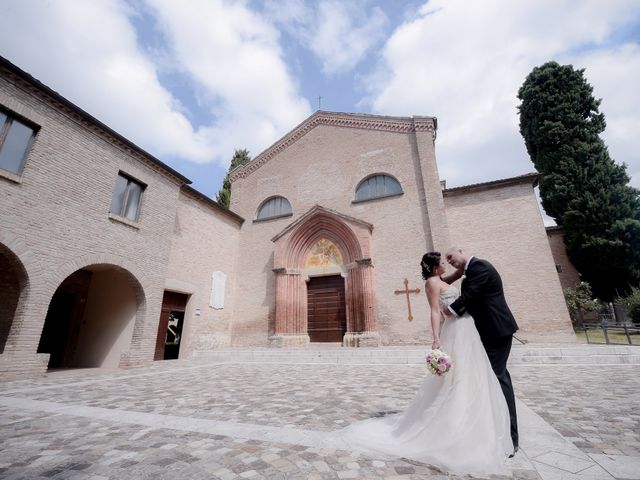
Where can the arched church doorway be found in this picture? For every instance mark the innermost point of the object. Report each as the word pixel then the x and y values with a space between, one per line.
pixel 13 286
pixel 91 318
pixel 326 312
pixel 324 258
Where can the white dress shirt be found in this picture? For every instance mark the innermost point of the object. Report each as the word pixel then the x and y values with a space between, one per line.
pixel 466 265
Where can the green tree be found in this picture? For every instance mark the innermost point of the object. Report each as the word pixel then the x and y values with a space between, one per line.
pixel 581 187
pixel 240 157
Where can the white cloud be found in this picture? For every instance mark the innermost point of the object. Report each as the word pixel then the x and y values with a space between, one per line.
pixel 614 73
pixel 88 52
pixel 234 58
pixel 464 62
pixel 460 61
pixel 340 34
pixel 340 43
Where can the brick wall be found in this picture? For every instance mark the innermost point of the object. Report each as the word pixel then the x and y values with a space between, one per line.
pixel 503 225
pixel 204 240
pixel 569 276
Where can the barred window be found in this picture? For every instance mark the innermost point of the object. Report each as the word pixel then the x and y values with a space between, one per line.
pixel 274 207
pixel 126 197
pixel 16 138
pixel 377 186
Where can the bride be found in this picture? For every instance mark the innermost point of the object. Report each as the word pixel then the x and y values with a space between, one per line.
pixel 458 422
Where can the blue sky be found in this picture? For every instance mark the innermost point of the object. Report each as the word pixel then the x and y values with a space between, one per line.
pixel 192 80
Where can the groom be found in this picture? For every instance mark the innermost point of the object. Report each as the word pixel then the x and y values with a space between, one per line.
pixel 482 297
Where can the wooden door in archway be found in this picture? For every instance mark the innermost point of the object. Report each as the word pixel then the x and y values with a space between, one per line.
pixel 326 313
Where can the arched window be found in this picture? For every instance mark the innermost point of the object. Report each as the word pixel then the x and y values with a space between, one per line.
pixel 274 207
pixel 377 186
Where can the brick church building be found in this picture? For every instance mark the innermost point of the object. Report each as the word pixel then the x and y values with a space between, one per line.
pixel 108 258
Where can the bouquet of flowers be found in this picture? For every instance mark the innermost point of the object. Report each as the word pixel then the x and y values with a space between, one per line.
pixel 438 362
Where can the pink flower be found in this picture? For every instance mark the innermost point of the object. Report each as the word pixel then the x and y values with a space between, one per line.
pixel 438 362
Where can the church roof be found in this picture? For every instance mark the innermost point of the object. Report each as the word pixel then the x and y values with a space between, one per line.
pixel 338 119
pixel 212 203
pixel 315 209
pixel 531 177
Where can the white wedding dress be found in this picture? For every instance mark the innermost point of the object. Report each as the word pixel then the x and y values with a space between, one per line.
pixel 458 422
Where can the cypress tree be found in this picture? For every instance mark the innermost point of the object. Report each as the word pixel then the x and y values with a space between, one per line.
pixel 240 157
pixel 581 187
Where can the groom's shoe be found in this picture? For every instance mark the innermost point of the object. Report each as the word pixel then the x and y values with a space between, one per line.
pixel 515 450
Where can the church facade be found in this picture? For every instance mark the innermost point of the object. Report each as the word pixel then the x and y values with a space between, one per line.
pixel 109 258
pixel 367 186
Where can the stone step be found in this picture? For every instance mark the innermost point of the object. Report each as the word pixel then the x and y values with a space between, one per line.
pixel 521 354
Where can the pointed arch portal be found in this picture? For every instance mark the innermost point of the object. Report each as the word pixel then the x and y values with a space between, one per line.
pixel 323 243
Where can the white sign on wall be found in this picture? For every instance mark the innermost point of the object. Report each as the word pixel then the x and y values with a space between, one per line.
pixel 218 281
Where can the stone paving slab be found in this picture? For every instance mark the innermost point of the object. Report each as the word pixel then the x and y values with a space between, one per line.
pixel 111 440
pixel 621 467
pixel 596 408
pixel 110 449
pixel 254 393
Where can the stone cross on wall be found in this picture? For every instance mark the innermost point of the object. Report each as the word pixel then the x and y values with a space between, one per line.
pixel 406 291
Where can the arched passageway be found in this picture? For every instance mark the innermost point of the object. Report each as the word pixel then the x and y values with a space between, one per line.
pixel 91 318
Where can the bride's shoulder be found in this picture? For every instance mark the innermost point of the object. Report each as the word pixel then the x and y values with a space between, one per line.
pixel 435 284
pixel 431 284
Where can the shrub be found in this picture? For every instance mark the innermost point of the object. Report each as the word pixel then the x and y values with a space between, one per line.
pixel 579 300
pixel 631 304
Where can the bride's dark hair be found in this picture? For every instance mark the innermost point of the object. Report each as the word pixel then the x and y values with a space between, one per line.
pixel 430 261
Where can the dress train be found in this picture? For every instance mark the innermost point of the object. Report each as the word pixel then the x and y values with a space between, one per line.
pixel 458 422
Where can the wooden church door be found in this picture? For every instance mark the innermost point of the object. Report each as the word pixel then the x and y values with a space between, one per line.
pixel 326 314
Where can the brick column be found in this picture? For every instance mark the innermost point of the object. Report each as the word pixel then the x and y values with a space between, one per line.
pixel 20 358
pixel 361 305
pixel 291 309
pixel 24 321
pixel 437 230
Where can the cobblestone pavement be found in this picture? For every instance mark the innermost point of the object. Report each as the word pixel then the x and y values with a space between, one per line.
pixel 596 408
pixel 593 406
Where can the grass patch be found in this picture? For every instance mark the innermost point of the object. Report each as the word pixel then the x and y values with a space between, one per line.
pixel 597 336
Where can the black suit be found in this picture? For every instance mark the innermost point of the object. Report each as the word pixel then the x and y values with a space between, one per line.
pixel 482 296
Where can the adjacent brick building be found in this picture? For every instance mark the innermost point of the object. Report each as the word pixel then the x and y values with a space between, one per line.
pixel 109 258
pixel 569 276
pixel 83 275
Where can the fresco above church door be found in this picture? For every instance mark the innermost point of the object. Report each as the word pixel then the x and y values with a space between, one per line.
pixel 324 254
